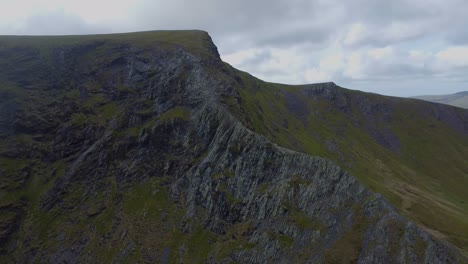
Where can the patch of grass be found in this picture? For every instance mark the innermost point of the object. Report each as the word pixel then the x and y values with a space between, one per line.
pixel 348 247
pixel 283 240
pixel 200 244
pixel 109 110
pixel 104 221
pixel 229 173
pixel 263 188
pixel 303 221
pixel 420 247
pixel 396 231
pixel 223 187
pixel 236 239
pixel 80 120
pixel 94 100
pixel 147 199
pixel 296 181
pixel 10 165
pixel 231 199
pixel 234 149
pixel 174 113
pixel 216 176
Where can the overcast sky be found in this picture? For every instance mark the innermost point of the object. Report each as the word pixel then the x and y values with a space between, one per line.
pixel 394 47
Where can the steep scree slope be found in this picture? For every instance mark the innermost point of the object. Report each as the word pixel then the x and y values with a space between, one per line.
pixel 119 148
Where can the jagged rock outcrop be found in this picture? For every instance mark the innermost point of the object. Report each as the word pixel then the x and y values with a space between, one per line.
pixel 140 160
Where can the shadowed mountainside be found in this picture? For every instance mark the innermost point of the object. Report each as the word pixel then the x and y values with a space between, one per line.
pixel 147 147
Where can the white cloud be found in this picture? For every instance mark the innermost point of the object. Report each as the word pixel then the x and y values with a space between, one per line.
pixel 381 53
pixel 332 62
pixel 454 56
pixel 316 75
pixel 272 64
pixel 419 54
pixel 388 64
pixel 237 58
pixel 356 33
pixel 399 30
pixel 354 67
pixel 381 43
pixel 282 59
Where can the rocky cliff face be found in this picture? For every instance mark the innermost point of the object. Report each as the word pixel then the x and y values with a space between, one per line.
pixel 117 152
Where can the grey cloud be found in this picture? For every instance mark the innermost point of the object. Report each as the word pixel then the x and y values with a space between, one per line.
pixel 457 74
pixel 57 23
pixel 442 20
pixel 397 70
pixel 385 12
pixel 458 38
pixel 253 22
pixel 311 35
pixel 308 26
pixel 279 23
pixel 257 59
pixel 405 88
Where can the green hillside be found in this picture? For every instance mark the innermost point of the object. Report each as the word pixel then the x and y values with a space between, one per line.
pixel 413 152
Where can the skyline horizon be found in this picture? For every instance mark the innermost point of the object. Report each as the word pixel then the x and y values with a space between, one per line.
pixel 400 48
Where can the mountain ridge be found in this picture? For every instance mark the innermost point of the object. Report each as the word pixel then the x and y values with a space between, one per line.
pixel 387 142
pixel 148 133
pixel 459 99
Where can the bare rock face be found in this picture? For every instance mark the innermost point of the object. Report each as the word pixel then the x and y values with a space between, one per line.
pixel 127 153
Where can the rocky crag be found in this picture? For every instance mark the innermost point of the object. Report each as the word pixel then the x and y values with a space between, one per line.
pixel 123 148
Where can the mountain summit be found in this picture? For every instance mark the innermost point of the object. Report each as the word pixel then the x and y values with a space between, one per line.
pixel 146 147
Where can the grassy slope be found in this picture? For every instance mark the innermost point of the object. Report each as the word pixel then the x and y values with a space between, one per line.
pixel 193 40
pixel 425 178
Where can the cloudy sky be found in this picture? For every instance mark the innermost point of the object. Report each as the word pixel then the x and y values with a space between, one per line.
pixel 399 47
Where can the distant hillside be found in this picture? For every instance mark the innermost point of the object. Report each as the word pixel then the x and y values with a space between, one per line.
pixel 457 99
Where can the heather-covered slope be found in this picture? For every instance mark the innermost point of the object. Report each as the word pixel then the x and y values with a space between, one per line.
pixel 124 148
pixel 457 99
